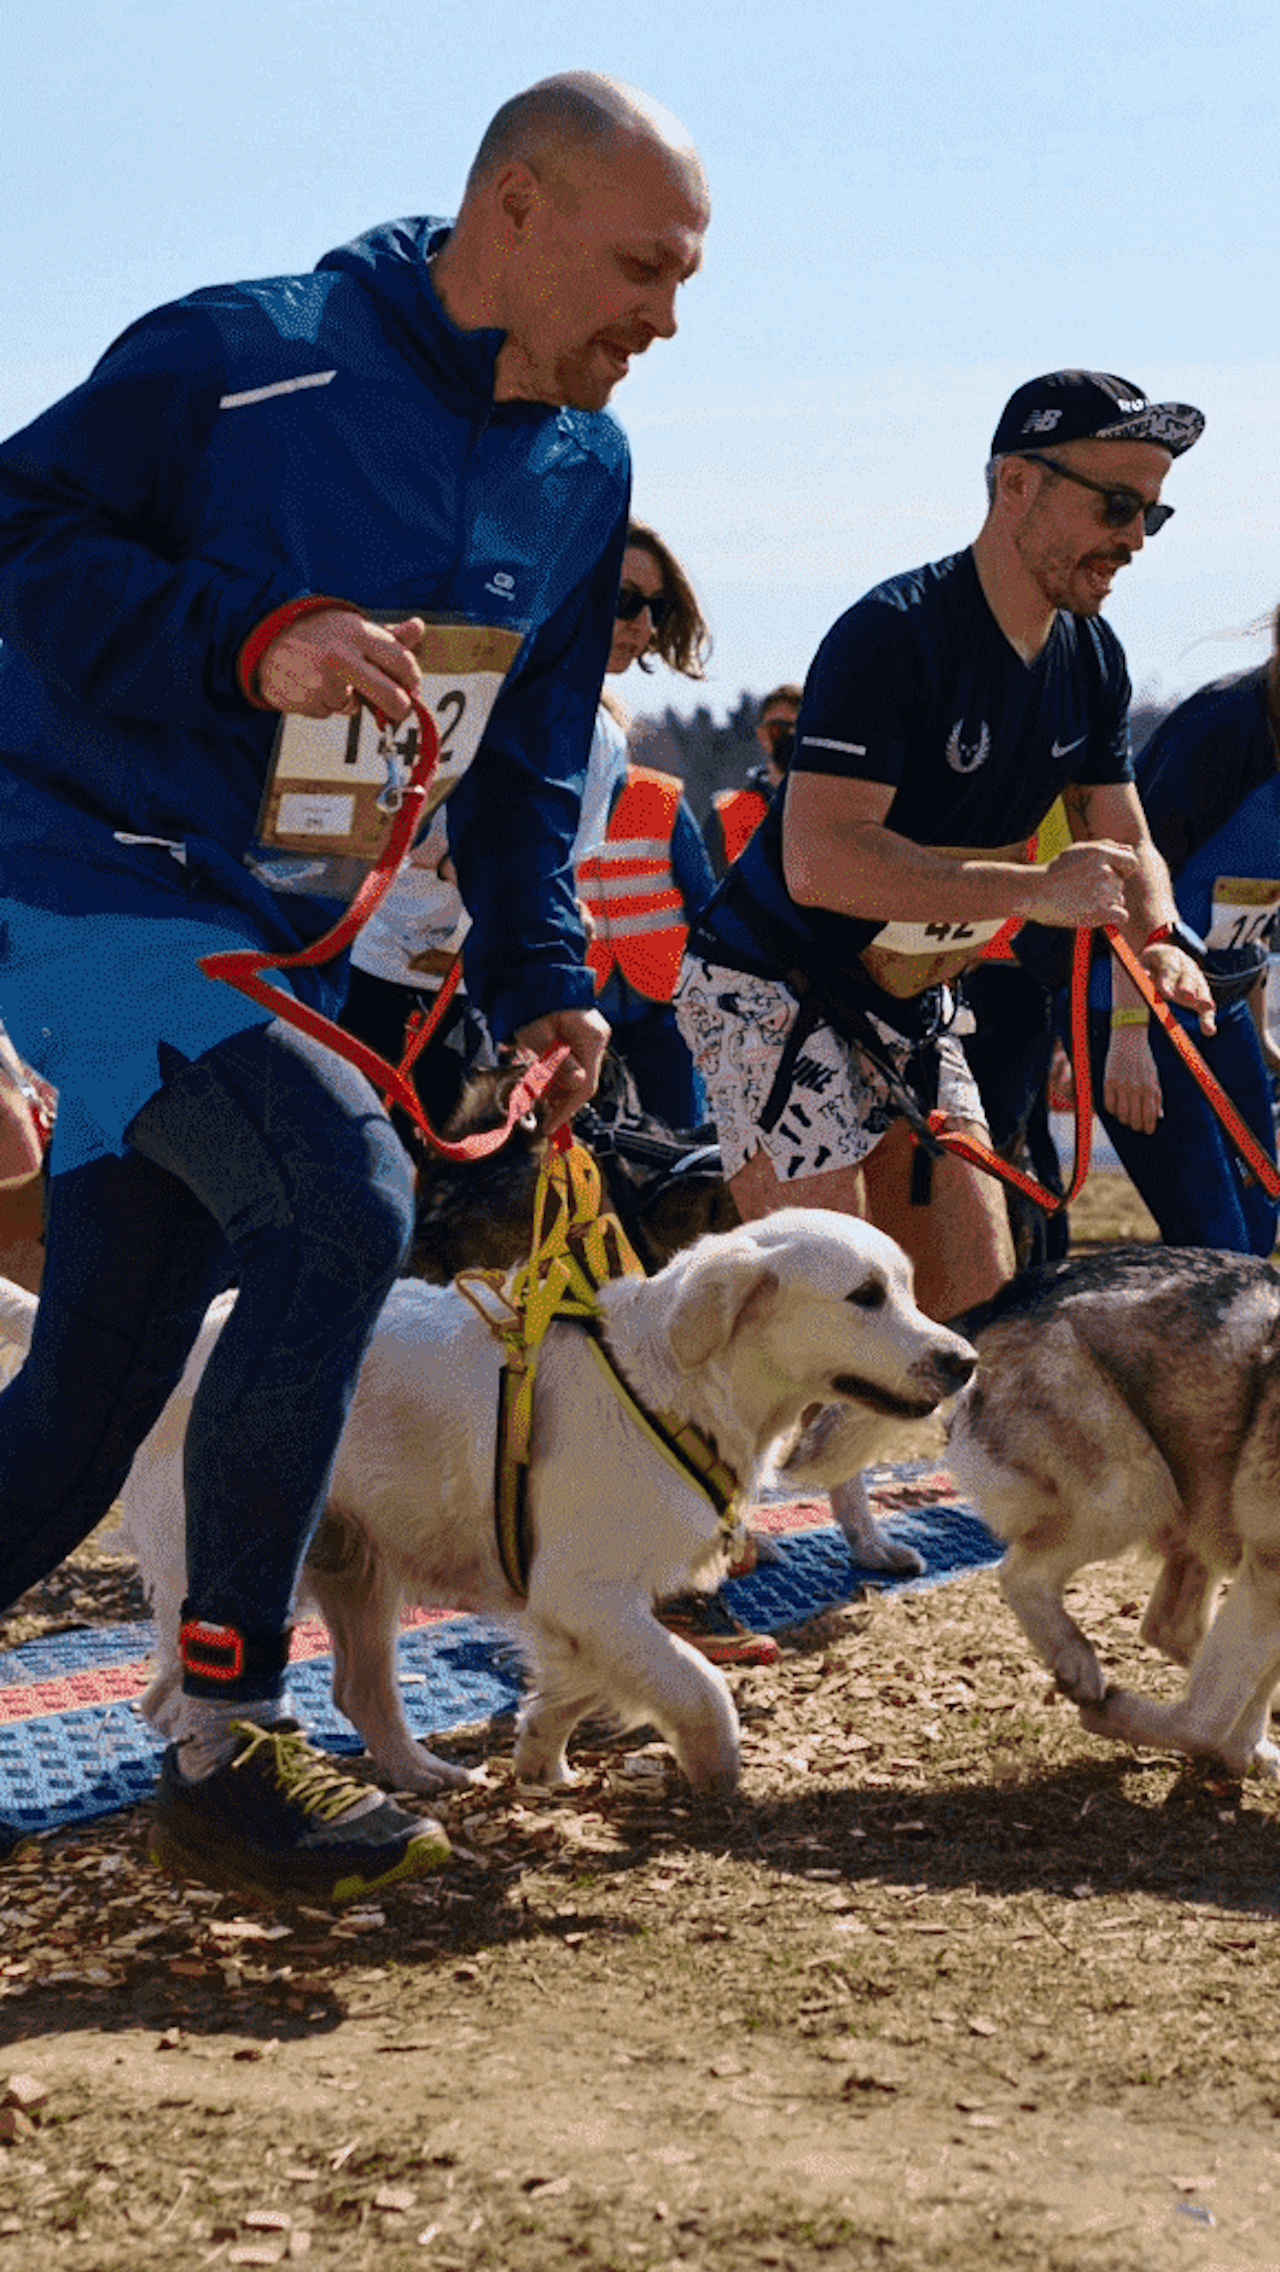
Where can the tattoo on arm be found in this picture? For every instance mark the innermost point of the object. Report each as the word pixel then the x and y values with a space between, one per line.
pixel 1076 801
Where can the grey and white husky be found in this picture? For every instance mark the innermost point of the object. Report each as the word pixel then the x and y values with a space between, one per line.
pixel 1127 1398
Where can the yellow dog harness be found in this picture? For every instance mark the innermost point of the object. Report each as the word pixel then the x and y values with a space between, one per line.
pixel 575 1251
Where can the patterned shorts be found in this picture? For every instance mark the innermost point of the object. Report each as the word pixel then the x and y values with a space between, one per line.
pixel 736 1027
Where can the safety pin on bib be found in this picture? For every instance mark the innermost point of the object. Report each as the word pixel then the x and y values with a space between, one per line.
pixel 398 760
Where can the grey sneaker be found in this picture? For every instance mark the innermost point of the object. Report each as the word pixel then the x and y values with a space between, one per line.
pixel 281 1820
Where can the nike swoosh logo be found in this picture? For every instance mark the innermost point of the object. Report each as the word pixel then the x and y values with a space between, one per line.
pixel 1064 749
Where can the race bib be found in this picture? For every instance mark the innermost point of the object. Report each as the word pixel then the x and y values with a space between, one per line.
pixel 336 784
pixel 1244 908
pixel 904 958
pixel 937 938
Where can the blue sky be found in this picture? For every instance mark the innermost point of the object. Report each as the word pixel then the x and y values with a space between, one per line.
pixel 916 207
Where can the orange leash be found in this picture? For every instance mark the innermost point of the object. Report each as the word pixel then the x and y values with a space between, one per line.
pixel 981 1155
pixel 1237 1128
pixel 242 968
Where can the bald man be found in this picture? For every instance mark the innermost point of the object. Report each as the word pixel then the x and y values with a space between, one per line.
pixel 269 505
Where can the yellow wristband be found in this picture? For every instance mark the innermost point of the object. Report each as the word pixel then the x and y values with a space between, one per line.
pixel 1136 1016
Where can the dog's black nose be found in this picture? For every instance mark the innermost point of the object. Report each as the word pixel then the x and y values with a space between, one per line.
pixel 957 1366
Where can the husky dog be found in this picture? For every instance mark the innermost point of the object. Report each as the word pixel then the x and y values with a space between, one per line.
pixel 1132 1398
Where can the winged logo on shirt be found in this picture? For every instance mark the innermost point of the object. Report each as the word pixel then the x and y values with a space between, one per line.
pixel 966 757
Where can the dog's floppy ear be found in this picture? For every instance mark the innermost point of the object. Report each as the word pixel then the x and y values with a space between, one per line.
pixel 717 1299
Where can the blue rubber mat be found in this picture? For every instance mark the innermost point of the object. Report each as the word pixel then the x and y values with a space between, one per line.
pixel 74 1763
pixel 815 1572
pixel 73 1746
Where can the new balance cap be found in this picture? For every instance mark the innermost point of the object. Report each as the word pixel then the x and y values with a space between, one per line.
pixel 1091 406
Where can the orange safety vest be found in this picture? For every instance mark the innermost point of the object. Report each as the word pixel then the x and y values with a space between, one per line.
pixel 740 812
pixel 630 889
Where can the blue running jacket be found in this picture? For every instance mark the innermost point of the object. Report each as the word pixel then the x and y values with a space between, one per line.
pixel 252 443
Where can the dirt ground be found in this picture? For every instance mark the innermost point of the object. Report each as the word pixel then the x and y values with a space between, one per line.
pixel 949 1984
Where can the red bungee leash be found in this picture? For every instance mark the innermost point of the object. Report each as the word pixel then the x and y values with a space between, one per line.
pixel 242 968
pixel 1237 1128
pixel 982 1156
pixel 1241 1135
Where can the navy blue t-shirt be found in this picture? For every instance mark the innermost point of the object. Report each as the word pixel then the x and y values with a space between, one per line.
pixel 916 686
pixel 1203 760
pixel 1210 788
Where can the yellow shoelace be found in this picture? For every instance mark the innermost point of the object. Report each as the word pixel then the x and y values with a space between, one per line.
pixel 305 1775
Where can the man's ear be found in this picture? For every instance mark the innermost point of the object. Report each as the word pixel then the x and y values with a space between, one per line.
pixel 1016 482
pixel 516 192
pixel 718 1299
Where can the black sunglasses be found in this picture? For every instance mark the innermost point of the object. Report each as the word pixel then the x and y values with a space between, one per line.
pixel 631 602
pixel 1119 506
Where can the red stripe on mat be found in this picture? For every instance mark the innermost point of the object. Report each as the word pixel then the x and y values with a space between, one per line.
pixel 70 1692
pixel 115 1684
pixel 798 1514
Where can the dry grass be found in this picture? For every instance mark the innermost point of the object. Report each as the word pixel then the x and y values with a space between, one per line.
pixel 951 1984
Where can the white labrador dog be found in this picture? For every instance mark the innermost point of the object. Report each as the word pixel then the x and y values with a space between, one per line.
pixel 743 1334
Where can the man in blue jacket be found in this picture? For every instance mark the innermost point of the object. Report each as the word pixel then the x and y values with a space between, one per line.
pixel 258 504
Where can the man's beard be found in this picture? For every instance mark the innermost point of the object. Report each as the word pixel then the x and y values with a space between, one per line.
pixel 1069 583
pixel 586 378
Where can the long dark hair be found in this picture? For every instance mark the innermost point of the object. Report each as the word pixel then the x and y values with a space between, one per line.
pixel 683 641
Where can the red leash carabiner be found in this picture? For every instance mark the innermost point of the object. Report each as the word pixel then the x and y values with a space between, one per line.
pixel 242 967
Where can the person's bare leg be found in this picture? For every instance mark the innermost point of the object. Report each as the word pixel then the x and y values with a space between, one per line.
pixel 959 1242
pixel 758 1190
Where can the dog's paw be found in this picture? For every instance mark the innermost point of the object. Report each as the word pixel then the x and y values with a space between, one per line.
pixel 449 1777
pixel 550 1776
pixel 872 1547
pixel 1105 1715
pixel 870 1544
pixel 879 1551
pixel 1265 1763
pixel 750 1549
pixel 1079 1677
pixel 422 1772
pixel 722 1783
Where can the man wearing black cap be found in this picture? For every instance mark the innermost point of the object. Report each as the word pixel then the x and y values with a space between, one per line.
pixel 943 715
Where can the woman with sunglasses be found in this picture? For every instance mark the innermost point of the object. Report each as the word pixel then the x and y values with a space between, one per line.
pixel 402 955
pixel 645 873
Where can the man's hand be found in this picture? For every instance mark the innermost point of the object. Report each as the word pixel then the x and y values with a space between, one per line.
pixel 1131 1084
pixel 1084 886
pixel 586 1035
pixel 323 664
pixel 1179 979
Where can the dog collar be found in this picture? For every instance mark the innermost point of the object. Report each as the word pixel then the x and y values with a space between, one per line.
pixel 580 1252
pixel 683 1446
